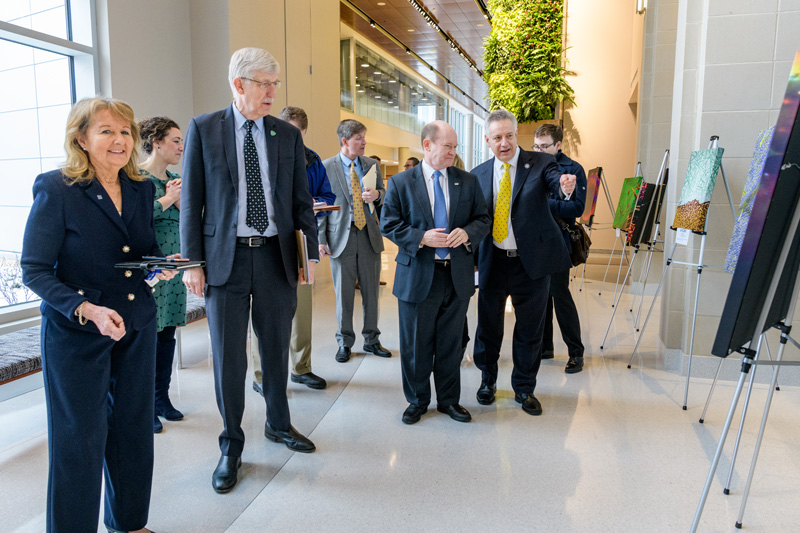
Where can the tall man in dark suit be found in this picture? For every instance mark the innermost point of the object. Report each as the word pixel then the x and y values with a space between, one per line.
pixel 516 259
pixel 548 139
pixel 245 192
pixel 434 212
pixel 352 237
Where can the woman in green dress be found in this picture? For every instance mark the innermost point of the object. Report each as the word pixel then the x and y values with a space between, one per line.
pixel 163 143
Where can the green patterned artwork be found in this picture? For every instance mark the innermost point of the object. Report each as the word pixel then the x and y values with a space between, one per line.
pixel 627 203
pixel 697 188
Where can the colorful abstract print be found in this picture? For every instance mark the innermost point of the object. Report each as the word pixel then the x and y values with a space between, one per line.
pixel 697 189
pixel 627 203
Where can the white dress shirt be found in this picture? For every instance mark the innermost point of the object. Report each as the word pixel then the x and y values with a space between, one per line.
pixel 509 243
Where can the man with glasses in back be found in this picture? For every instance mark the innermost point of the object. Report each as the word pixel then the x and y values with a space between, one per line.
pixel 547 139
pixel 244 194
pixel 411 162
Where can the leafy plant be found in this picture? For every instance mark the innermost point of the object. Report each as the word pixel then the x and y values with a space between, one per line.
pixel 523 58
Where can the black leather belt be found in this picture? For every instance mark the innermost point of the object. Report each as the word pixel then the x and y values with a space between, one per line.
pixel 253 242
pixel 442 262
pixel 508 253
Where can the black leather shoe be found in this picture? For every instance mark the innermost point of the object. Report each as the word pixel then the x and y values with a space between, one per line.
pixel 225 475
pixel 377 349
pixel 292 439
pixel 167 410
pixel 157 425
pixel 548 354
pixel 413 413
pixel 574 365
pixel 529 403
pixel 310 380
pixel 343 355
pixel 257 387
pixel 455 411
pixel 486 393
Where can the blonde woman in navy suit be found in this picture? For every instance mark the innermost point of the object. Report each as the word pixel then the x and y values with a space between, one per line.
pixel 98 333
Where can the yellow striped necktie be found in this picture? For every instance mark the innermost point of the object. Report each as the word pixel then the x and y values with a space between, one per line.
pixel 502 206
pixel 359 218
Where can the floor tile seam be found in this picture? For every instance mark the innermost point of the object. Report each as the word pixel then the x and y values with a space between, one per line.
pixel 25 441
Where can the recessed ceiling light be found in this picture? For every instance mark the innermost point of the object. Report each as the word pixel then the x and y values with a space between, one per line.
pixel 364 64
pixel 361 90
pixel 377 72
pixel 410 29
pixel 479 25
pixel 389 102
pixel 377 97
pixel 392 81
pixel 381 3
pixel 397 107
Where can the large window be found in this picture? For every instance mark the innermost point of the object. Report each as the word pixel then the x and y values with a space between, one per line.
pixel 479 146
pixel 385 93
pixel 459 122
pixel 44 66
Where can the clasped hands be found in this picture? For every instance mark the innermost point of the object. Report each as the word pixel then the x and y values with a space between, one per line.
pixel 568 183
pixel 437 238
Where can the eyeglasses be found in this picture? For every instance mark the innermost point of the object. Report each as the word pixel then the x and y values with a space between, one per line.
pixel 542 147
pixel 264 85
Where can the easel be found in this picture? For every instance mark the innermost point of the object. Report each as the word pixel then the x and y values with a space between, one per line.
pixel 659 179
pixel 713 143
pixel 749 359
pixel 590 226
pixel 619 238
pixel 653 242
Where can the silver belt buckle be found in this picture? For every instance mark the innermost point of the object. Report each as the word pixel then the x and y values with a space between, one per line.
pixel 511 253
pixel 250 241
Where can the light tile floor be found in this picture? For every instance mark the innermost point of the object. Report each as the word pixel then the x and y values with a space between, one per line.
pixel 612 452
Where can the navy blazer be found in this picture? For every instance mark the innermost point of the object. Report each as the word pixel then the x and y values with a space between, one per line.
pixel 539 241
pixel 407 215
pixel 210 191
pixel 569 210
pixel 73 239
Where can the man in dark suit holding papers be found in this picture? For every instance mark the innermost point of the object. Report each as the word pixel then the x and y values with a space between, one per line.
pixel 244 194
pixel 434 212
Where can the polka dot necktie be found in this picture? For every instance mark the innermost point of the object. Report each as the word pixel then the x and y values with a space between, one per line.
pixel 439 211
pixel 256 203
pixel 501 208
pixel 358 204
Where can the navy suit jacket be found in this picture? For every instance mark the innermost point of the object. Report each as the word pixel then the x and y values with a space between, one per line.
pixel 540 244
pixel 407 215
pixel 73 239
pixel 210 188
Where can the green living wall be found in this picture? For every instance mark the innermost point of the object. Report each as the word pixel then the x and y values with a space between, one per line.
pixel 523 58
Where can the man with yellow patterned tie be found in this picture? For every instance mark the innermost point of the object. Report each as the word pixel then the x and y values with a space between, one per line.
pixel 352 238
pixel 525 246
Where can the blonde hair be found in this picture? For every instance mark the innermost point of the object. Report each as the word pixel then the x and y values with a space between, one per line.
pixel 77 167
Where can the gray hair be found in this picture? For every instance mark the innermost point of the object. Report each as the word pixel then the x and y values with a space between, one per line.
pixel 500 114
pixel 245 62
pixel 349 127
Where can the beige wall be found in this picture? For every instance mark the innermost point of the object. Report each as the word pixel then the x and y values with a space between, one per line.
pixel 604 50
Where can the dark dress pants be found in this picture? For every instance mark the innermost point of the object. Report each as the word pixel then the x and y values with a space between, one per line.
pixel 258 279
pixel 529 297
pixel 430 342
pixel 99 397
pixel 566 313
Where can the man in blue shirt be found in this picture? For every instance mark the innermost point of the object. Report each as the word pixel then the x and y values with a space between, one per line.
pixel 300 342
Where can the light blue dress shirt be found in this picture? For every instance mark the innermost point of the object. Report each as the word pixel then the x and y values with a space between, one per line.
pixel 260 140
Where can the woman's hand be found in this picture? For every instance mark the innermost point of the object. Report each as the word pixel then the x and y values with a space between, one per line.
pixel 107 320
pixel 165 275
pixel 173 193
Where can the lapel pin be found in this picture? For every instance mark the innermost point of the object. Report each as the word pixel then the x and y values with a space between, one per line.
pixel 456 183
pixel 272 133
pixel 527 165
pixel 99 196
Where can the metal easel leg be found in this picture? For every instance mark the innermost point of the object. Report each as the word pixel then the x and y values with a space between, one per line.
pixel 610 258
pixel 614 312
pixel 653 303
pixel 694 319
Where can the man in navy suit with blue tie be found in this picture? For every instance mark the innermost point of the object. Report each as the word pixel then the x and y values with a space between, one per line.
pixel 244 194
pixel 434 213
pixel 516 259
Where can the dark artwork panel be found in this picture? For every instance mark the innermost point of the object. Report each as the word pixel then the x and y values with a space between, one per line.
pixel 776 200
pixel 644 215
